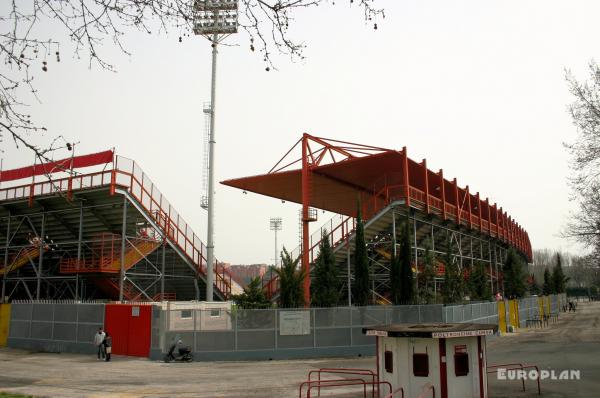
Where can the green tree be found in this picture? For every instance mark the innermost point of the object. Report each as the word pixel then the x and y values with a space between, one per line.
pixel 291 278
pixel 534 288
pixel 395 280
pixel 361 264
pixel 514 277
pixel 253 296
pixel 479 287
pixel 407 286
pixel 452 288
pixel 558 277
pixel 325 289
pixel 547 287
pixel 426 277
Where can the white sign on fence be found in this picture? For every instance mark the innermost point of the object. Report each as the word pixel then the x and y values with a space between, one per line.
pixel 292 323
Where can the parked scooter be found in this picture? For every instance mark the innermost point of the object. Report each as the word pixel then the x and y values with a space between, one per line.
pixel 184 353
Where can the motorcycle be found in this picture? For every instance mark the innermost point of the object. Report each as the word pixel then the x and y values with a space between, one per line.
pixel 184 353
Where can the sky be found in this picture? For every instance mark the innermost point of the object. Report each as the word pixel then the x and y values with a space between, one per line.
pixel 477 88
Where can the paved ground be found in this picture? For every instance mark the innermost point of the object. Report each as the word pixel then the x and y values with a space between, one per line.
pixel 572 343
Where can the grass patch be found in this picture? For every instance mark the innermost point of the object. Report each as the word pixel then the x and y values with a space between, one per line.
pixel 13 395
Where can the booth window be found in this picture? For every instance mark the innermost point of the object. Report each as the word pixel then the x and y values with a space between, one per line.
pixel 186 314
pixel 461 363
pixel 421 365
pixel 389 362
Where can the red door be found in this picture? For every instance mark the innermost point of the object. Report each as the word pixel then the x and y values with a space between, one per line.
pixel 130 327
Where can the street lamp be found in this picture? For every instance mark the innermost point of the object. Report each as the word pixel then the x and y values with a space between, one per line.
pixel 275 225
pixel 215 20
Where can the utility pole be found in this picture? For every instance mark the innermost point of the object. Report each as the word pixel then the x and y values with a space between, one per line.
pixel 215 20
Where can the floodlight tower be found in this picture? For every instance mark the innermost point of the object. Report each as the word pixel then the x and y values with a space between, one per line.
pixel 215 20
pixel 275 225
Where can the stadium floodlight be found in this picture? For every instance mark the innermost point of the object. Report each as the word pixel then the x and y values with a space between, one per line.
pixel 215 20
pixel 275 225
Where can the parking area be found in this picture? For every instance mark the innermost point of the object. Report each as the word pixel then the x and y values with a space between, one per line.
pixel 571 343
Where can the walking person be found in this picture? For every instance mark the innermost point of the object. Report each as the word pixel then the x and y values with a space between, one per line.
pixel 107 346
pixel 99 342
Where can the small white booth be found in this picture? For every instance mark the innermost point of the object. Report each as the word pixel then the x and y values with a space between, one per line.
pixel 449 358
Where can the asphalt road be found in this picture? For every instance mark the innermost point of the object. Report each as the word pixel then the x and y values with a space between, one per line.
pixel 572 343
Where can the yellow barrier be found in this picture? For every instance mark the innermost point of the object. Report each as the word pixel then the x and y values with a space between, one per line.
pixel 541 306
pixel 501 317
pixel 4 320
pixel 548 311
pixel 513 313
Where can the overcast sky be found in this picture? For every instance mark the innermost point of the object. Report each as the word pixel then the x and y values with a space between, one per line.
pixel 476 87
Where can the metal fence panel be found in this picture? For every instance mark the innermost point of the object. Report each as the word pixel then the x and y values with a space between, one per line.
pixel 255 340
pixel 65 313
pixel 20 312
pixel 335 337
pixel 215 341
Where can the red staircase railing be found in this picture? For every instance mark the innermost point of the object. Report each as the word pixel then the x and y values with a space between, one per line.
pixel 106 255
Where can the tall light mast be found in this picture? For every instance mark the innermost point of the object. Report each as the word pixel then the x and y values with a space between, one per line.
pixel 215 20
pixel 275 225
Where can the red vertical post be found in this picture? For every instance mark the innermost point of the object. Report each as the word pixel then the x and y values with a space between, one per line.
pixel 489 215
pixel 510 230
pixel 426 178
pixel 501 221
pixel 305 221
pixel 456 201
pixel 443 193
pixel 405 176
pixel 469 206
pixel 479 209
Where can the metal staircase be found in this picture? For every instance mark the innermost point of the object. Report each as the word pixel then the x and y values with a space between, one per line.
pixel 24 256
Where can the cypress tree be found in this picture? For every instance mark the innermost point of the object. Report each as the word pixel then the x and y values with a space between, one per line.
pixel 547 287
pixel 479 288
pixel 533 286
pixel 325 284
pixel 452 288
pixel 395 280
pixel 407 290
pixel 253 296
pixel 426 278
pixel 291 278
pixel 361 264
pixel 558 276
pixel 514 278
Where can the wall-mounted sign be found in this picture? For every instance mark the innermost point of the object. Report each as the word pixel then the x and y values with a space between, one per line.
pixel 294 323
pixel 135 311
pixel 381 333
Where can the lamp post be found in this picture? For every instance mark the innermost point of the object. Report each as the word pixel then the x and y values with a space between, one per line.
pixel 275 225
pixel 215 20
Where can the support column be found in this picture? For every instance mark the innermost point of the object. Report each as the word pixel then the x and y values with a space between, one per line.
pixel 6 258
pixel 491 269
pixel 394 232
pixel 416 255
pixel 41 258
pixel 162 272
pixel 123 233
pixel 80 233
pixel 305 220
pixel 348 268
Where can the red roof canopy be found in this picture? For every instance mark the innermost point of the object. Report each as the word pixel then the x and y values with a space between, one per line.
pixel 371 175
